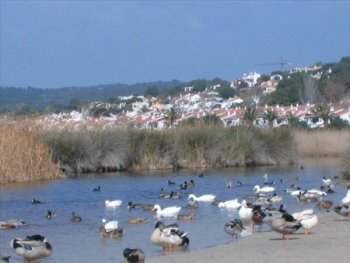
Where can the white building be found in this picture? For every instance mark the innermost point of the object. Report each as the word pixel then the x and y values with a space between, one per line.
pixel 251 78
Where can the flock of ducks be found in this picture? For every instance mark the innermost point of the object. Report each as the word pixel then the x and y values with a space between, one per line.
pixel 254 210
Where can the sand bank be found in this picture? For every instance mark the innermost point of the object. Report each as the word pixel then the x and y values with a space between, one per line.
pixel 329 242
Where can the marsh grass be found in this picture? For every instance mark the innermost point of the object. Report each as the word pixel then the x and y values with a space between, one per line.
pixel 346 164
pixel 322 143
pixel 24 156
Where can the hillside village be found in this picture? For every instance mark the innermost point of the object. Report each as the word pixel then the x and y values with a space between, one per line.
pixel 147 112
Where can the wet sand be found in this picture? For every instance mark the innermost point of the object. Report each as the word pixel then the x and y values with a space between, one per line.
pixel 329 242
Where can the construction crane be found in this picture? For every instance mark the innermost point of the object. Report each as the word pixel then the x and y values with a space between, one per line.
pixel 282 62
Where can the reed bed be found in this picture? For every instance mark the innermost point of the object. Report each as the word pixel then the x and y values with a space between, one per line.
pixel 24 156
pixel 322 143
pixel 346 164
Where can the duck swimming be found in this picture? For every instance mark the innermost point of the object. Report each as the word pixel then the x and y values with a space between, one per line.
pixel 32 247
pixel 35 201
pixel 12 223
pixel 133 255
pixel 113 204
pixel 167 211
pixel 202 198
pixel 75 218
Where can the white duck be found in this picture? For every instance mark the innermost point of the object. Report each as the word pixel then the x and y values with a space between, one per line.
pixel 303 214
pixel 113 204
pixel 308 222
pixel 264 189
pixel 202 198
pixel 245 212
pixel 110 226
pixel 170 211
pixel 327 182
pixel 346 199
pixel 230 204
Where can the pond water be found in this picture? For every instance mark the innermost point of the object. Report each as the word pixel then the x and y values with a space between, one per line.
pixel 80 242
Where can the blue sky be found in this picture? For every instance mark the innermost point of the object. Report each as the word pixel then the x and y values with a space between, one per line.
pixel 51 44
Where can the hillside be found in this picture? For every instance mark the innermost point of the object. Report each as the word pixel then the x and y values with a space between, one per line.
pixel 14 98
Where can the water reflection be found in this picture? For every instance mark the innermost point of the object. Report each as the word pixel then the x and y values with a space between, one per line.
pixel 81 242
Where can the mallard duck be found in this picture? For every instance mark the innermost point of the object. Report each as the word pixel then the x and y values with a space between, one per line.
pixel 202 198
pixel 50 214
pixel 148 207
pixel 12 223
pixel 230 204
pixel 169 236
pixel 75 218
pixel 185 217
pixel 133 255
pixel 115 233
pixel 171 183
pixel 325 205
pixel 134 206
pixel 4 259
pixel 35 201
pixel 234 227
pixel 276 198
pixel 113 204
pixel 284 227
pixel 32 247
pixel 137 221
pixel 170 211
pixel 98 189
pixel 343 210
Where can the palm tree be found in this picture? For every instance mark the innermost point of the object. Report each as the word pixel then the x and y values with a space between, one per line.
pixel 171 115
pixel 270 116
pixel 249 115
pixel 324 112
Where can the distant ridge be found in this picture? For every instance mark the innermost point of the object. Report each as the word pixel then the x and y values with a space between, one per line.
pixel 40 99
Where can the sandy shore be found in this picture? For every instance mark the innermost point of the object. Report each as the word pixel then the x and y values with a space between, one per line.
pixel 329 242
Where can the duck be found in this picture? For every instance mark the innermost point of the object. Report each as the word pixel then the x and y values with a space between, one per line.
pixel 191 184
pixel 308 222
pixel 284 227
pixel 50 214
pixel 35 201
pixel 110 225
pixel 137 221
pixel 202 198
pixel 75 218
pixel 170 211
pixel 276 198
pixel 185 217
pixel 303 214
pixel 115 233
pixel 133 255
pixel 12 223
pixel 113 204
pixel 327 182
pixel 264 189
pixel 245 213
pixel 169 236
pixel 134 206
pixel 324 205
pixel 230 204
pixel 192 204
pixel 148 207
pixel 97 189
pixel 346 199
pixel 269 183
pixel 201 175
pixel 265 178
pixel 32 247
pixel 171 183
pixel 343 210
pixel 229 184
pixel 4 259
pixel 234 227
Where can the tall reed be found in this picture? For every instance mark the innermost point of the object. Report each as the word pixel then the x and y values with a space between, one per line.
pixel 24 156
pixel 322 143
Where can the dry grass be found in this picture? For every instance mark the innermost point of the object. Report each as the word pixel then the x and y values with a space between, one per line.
pixel 322 143
pixel 23 156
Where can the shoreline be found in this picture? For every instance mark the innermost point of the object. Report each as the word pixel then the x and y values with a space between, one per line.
pixel 328 242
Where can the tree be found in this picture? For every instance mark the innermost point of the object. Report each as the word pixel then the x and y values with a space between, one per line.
pixel 211 119
pixel 171 115
pixel 270 116
pixel 249 115
pixel 226 92
pixel 310 91
pixel 324 112
pixel 151 91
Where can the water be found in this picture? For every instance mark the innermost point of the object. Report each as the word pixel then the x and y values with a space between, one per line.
pixel 80 242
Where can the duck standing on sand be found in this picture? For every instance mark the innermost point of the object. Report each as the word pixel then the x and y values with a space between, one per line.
pixel 133 255
pixel 169 237
pixel 343 210
pixel 283 226
pixel 234 227
pixel 32 247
